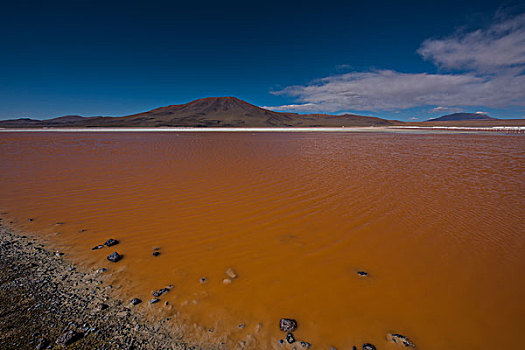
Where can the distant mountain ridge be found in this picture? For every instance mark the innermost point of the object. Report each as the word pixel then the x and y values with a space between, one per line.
pixel 233 112
pixel 206 112
pixel 462 116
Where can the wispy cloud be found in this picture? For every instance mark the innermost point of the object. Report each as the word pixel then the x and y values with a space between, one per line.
pixel 500 46
pixel 293 107
pixel 441 109
pixel 489 65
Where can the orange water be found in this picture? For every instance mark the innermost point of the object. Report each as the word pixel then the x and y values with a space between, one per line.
pixel 436 220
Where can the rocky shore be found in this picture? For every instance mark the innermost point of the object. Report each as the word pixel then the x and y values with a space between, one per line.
pixel 48 303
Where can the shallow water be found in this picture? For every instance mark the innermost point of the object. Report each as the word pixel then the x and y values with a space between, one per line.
pixel 436 220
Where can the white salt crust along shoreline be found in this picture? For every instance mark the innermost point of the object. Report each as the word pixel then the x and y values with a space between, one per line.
pixel 406 129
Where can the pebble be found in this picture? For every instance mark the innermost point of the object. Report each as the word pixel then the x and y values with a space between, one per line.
pixel 159 292
pixel 42 344
pixel 287 325
pixel 114 257
pixel 368 346
pixel 156 253
pixel 362 273
pixel 111 242
pixel 305 344
pixel 230 273
pixel 400 339
pixel 154 300
pixel 135 301
pixel 290 338
pixel 100 246
pixel 226 281
pixel 69 337
pixel 59 254
pixel 203 280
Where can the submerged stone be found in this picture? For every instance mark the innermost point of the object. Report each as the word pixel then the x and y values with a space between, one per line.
pixel 230 273
pixel 154 300
pixel 114 257
pixel 135 301
pixel 111 242
pixel 305 344
pixel 290 338
pixel 100 246
pixel 159 292
pixel 400 340
pixel 287 324
pixel 362 273
pixel 368 346
pixel 156 253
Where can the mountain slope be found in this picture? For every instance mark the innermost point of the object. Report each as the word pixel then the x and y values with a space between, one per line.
pixel 207 112
pixel 462 116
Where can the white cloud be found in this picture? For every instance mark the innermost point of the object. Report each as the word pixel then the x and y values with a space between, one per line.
pixel 297 107
pixel 442 109
pixel 502 45
pixel 492 61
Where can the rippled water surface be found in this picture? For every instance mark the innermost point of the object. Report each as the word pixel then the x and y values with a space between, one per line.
pixel 436 221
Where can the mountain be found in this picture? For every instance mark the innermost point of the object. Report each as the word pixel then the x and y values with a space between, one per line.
pixel 461 116
pixel 206 112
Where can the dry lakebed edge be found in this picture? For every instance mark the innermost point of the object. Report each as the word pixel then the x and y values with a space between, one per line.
pixel 46 302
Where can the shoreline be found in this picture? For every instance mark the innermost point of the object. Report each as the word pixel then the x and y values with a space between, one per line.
pixel 45 299
pixel 366 129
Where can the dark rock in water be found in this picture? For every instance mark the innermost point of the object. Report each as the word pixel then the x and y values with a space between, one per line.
pixel 287 325
pixel 281 341
pixel 42 344
pixel 111 242
pixel 156 248
pixel 100 246
pixel 114 257
pixel 159 292
pixel 290 338
pixel 241 325
pixel 362 273
pixel 69 337
pixel 103 307
pixel 30 219
pixel 135 301
pixel 156 253
pixel 82 230
pixel 59 223
pixel 305 344
pixel 154 300
pixel 368 346
pixel 400 339
pixel 203 279
pixel 354 347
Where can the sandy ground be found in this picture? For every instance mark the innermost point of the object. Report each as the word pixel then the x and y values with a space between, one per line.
pixel 42 297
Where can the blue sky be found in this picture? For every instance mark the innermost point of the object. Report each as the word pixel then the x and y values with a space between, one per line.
pixel 394 59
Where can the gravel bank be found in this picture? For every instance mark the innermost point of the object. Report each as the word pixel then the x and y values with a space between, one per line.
pixel 45 300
